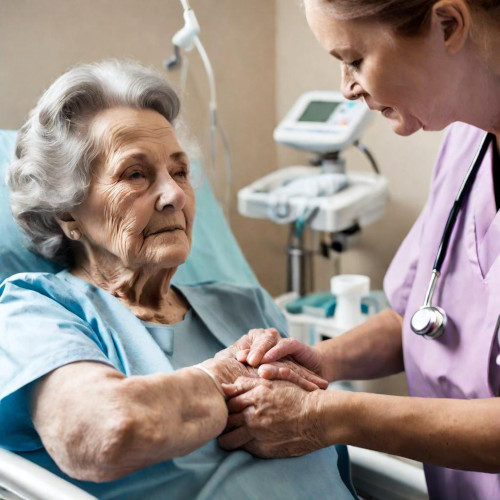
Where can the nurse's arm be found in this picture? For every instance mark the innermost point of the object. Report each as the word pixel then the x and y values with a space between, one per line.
pixel 371 350
pixel 98 425
pixel 458 434
pixel 277 419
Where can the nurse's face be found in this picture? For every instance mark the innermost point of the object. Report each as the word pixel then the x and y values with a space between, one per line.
pixel 404 78
pixel 140 205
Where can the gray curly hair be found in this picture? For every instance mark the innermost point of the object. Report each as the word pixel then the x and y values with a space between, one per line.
pixel 51 171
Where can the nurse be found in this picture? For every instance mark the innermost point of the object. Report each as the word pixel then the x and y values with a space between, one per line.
pixel 424 64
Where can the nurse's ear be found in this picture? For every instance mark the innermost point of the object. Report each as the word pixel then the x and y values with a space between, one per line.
pixel 69 226
pixel 453 19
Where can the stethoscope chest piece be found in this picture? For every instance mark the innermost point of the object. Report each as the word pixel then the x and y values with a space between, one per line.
pixel 429 322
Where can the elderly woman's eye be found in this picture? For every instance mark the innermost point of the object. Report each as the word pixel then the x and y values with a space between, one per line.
pixel 183 173
pixel 136 174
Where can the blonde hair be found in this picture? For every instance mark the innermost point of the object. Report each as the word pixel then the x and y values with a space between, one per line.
pixel 406 17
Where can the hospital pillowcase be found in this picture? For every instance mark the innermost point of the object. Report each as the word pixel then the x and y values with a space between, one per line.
pixel 14 257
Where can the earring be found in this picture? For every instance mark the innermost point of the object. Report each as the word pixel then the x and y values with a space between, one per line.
pixel 74 234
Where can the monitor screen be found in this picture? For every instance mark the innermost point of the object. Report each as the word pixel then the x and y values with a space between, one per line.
pixel 318 111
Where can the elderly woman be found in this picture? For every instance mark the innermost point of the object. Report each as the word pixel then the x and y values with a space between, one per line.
pixel 423 64
pixel 100 364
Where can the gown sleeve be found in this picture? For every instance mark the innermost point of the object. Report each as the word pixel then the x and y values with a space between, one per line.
pixel 37 335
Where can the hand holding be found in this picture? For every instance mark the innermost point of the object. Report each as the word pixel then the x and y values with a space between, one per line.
pixel 252 349
pixel 255 344
pixel 226 369
pixel 291 349
pixel 262 347
pixel 290 370
pixel 272 419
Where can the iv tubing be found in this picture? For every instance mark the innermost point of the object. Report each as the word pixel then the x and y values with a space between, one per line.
pixel 212 105
pixel 214 125
pixel 213 122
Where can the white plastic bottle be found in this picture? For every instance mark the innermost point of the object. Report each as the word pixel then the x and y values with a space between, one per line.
pixel 349 290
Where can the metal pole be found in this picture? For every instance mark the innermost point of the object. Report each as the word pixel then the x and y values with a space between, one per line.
pixel 296 263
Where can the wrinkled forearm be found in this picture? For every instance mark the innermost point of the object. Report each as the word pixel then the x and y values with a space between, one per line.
pixel 370 350
pixel 117 425
pixel 459 434
pixel 172 415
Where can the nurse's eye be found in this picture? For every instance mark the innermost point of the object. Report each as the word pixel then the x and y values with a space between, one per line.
pixel 355 65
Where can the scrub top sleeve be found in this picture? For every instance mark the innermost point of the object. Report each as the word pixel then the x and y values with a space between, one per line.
pixel 37 335
pixel 273 316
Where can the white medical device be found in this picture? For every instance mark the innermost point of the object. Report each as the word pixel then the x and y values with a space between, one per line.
pixel 322 121
pixel 323 197
pixel 361 202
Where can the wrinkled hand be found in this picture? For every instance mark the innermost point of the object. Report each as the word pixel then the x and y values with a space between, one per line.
pixel 251 348
pixel 271 419
pixel 253 345
pixel 266 347
pixel 227 369
pixel 305 355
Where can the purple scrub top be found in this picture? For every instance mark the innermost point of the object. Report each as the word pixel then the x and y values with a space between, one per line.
pixel 462 363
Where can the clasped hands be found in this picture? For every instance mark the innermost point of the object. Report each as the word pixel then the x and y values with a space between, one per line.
pixel 274 402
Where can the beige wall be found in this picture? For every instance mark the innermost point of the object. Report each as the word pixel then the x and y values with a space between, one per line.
pixel 301 64
pixel 264 56
pixel 39 39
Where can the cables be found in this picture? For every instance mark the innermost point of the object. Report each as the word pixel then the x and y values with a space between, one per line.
pixel 186 38
pixel 370 157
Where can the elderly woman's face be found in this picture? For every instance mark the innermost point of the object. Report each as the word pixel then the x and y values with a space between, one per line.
pixel 407 79
pixel 140 205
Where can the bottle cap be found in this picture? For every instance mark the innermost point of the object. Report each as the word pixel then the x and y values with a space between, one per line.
pixel 350 284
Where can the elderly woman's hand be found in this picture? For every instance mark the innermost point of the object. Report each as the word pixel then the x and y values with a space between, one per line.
pixel 266 348
pixel 252 347
pixel 272 419
pixel 226 369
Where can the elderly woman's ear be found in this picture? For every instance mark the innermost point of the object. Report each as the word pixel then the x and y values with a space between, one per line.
pixel 69 226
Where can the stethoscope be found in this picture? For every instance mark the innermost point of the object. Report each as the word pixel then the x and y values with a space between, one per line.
pixel 430 321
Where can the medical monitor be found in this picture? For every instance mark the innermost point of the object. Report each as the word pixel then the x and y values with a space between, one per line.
pixel 323 122
pixel 318 111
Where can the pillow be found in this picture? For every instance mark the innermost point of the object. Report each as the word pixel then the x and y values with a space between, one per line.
pixel 215 254
pixel 14 256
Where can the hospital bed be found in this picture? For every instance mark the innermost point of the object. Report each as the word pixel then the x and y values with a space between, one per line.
pixel 215 255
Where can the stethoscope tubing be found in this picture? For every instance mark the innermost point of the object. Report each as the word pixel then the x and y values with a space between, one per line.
pixel 459 200
pixel 430 321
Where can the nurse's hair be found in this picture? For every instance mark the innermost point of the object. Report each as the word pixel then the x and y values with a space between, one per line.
pixel 54 153
pixel 406 17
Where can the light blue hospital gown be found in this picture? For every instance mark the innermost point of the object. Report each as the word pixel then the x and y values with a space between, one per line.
pixel 47 321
